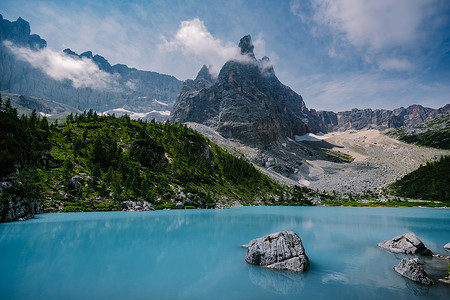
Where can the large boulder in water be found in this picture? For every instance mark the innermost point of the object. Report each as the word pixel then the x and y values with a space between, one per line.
pixel 281 250
pixel 412 268
pixel 408 243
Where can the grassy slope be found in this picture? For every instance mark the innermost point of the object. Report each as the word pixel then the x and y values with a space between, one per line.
pixel 120 159
pixel 435 133
pixel 430 182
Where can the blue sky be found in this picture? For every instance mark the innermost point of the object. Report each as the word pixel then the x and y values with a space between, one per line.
pixel 338 55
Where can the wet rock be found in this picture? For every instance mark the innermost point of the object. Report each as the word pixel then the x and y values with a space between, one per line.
pixel 281 250
pixel 408 243
pixel 148 206
pixel 447 246
pixel 412 268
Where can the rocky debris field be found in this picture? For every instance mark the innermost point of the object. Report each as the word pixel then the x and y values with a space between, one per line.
pixel 379 160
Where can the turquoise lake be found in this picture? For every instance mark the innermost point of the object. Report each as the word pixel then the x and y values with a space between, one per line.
pixel 196 254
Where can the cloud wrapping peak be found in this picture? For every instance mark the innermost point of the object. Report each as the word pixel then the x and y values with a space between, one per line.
pixel 194 40
pixel 83 73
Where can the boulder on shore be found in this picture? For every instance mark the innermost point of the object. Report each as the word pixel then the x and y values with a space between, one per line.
pixel 408 243
pixel 281 251
pixel 412 268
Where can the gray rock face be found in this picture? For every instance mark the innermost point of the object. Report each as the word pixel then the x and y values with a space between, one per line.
pixel 75 182
pixel 380 119
pixel 18 208
pixel 246 102
pixel 136 206
pixel 246 46
pixel 412 268
pixel 135 90
pixel 408 243
pixel 281 251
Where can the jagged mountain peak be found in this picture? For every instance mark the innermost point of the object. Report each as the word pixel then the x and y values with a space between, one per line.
pixel 244 103
pixel 18 32
pixel 204 74
pixel 246 46
pixel 69 52
pixel 136 90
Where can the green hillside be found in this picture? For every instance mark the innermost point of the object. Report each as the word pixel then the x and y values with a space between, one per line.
pixel 430 182
pixel 96 162
pixel 435 133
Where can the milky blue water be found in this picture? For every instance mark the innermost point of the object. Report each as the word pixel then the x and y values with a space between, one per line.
pixel 196 254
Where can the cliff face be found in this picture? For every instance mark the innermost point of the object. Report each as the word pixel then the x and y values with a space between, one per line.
pixel 380 119
pixel 246 102
pixel 135 90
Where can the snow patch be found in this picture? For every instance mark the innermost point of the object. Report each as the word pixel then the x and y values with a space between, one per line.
pixel 311 137
pixel 135 115
pixel 160 103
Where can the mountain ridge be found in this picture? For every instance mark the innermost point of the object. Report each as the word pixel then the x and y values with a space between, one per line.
pixel 134 90
pixel 246 102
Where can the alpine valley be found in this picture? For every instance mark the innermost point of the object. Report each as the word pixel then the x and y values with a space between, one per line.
pixel 138 140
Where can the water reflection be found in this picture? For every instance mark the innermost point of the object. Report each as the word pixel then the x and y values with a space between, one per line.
pixel 417 289
pixel 277 282
pixel 195 254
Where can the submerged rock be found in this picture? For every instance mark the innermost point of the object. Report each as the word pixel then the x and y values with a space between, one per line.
pixel 412 268
pixel 281 250
pixel 408 243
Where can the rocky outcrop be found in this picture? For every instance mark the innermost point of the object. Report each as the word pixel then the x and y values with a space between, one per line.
pixel 17 208
pixel 408 243
pixel 246 102
pixel 412 268
pixel 380 119
pixel 280 251
pixel 75 182
pixel 134 90
pixel 136 206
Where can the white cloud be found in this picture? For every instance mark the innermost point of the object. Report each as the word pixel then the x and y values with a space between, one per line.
pixel 194 40
pixel 375 29
pixel 375 24
pixel 60 66
pixel 394 64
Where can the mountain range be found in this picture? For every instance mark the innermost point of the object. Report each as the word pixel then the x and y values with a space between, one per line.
pixel 273 111
pixel 120 90
pixel 248 103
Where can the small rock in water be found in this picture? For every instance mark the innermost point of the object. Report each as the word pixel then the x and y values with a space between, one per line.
pixel 282 251
pixel 408 243
pixel 412 268
pixel 447 246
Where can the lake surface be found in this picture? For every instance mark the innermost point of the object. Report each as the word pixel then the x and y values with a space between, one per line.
pixel 196 254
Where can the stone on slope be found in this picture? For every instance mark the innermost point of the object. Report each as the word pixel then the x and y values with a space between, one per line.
pixel 408 243
pixel 281 250
pixel 412 268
